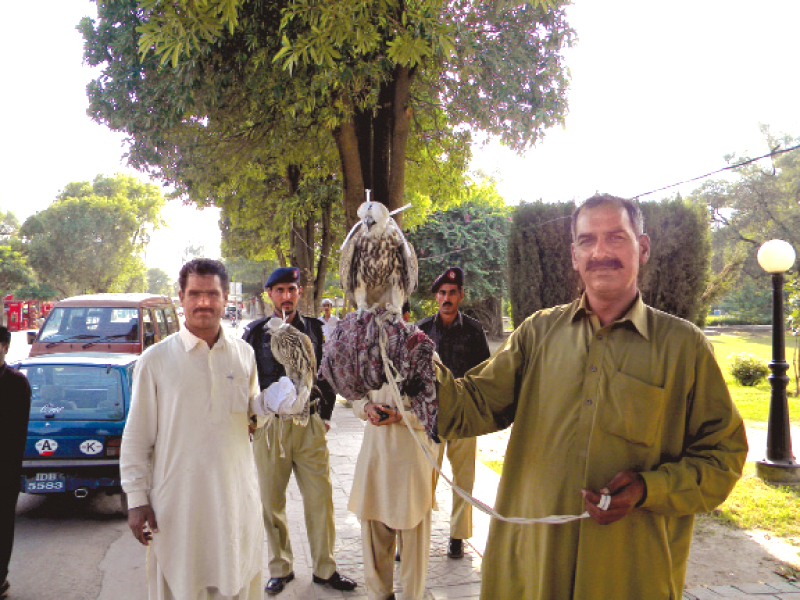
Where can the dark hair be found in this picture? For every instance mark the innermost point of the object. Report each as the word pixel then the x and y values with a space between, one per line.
pixel 5 335
pixel 632 208
pixel 204 266
pixel 406 308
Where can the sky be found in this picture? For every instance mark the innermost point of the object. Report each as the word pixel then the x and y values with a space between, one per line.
pixel 659 93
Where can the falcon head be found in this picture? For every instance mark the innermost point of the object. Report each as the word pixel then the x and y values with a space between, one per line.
pixel 374 216
pixel 276 323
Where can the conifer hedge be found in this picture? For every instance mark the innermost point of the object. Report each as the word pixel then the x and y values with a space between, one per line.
pixel 540 262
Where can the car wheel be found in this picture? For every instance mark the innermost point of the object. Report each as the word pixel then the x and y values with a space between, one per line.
pixel 123 502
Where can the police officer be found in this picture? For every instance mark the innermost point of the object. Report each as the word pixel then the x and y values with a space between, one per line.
pixel 283 447
pixel 461 344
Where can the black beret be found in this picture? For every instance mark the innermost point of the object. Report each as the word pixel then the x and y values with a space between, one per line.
pixel 283 275
pixel 452 275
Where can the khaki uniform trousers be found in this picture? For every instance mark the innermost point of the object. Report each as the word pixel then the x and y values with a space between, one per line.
pixel 305 452
pixel 462 455
pixel 378 545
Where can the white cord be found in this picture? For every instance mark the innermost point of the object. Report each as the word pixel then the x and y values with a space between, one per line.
pixel 391 378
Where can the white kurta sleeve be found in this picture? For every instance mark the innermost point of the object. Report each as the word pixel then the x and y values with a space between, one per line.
pixel 139 437
pixel 255 392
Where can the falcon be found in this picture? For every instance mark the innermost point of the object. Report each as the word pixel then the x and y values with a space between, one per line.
pixel 378 267
pixel 294 350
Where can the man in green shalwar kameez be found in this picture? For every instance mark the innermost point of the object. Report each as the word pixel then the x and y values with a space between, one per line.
pixel 609 397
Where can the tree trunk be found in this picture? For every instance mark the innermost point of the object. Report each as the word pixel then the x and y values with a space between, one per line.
pixel 326 241
pixel 399 140
pixel 347 145
pixel 372 148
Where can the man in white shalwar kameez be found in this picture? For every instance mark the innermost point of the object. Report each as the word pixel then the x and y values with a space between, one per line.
pixel 393 495
pixel 186 461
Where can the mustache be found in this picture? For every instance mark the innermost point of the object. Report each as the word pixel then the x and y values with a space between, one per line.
pixel 447 304
pixel 606 263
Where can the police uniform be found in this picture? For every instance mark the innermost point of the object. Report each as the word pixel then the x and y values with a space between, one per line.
pixel 461 346
pixel 283 447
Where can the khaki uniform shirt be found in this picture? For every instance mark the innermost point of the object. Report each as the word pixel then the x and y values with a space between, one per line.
pixel 644 393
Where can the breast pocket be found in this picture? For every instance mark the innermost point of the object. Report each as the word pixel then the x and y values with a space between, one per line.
pixel 633 410
pixel 239 394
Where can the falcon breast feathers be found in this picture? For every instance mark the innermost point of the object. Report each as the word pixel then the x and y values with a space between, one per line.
pixel 294 350
pixel 378 267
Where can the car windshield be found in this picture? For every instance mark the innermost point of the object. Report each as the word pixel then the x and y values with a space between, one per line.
pixel 75 393
pixel 73 323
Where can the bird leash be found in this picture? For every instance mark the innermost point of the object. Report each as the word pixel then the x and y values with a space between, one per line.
pixel 392 377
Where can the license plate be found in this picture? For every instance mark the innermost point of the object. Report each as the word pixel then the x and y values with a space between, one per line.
pixel 44 483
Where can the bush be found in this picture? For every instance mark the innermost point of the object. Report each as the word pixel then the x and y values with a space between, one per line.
pixel 747 369
pixel 721 320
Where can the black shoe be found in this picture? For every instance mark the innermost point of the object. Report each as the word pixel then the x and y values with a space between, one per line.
pixel 456 548
pixel 4 589
pixel 276 584
pixel 337 582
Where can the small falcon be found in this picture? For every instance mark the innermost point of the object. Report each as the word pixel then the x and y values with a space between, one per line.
pixel 294 350
pixel 378 267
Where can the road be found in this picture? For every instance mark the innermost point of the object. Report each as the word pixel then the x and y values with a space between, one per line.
pixel 69 549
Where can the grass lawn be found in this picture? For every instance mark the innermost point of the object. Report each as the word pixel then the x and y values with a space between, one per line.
pixel 753 402
pixel 754 504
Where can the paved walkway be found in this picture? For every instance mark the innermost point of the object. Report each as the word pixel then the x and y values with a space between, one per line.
pixel 447 578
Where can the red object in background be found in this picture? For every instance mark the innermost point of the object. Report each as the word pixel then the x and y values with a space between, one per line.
pixel 18 313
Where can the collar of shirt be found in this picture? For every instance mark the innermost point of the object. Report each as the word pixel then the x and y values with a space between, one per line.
pixel 458 321
pixel 190 340
pixel 636 315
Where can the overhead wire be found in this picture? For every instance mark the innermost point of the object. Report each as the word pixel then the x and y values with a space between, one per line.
pixel 772 153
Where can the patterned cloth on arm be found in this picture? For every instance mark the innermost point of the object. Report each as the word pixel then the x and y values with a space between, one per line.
pixel 352 362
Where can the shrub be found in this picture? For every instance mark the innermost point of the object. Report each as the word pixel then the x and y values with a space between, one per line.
pixel 747 369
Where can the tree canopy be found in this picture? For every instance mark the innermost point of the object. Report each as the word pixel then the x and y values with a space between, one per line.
pixel 159 282
pixel 758 204
pixel 91 238
pixel 371 76
pixel 14 269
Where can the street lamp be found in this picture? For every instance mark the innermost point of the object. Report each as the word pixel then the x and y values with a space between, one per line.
pixel 777 257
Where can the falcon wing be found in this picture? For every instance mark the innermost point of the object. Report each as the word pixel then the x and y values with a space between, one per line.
pixel 411 267
pixel 346 264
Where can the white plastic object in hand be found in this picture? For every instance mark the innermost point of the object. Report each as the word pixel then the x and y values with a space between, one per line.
pixel 280 398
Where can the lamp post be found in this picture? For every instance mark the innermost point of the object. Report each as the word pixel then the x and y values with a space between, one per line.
pixel 777 257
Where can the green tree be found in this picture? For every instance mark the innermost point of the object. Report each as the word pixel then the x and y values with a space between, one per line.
pixel 539 258
pixel 673 280
pixel 159 282
pixel 14 270
pixel 9 225
pixel 472 236
pixel 91 238
pixel 758 204
pixel 371 76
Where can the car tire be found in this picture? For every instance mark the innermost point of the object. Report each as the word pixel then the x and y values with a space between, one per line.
pixel 123 502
